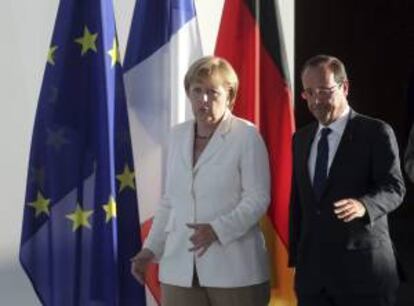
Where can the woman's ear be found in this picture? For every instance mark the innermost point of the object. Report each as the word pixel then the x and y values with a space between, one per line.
pixel 231 95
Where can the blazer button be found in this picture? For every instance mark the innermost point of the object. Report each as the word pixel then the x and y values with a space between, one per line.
pixel 318 212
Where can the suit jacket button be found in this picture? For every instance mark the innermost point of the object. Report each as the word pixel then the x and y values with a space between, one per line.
pixel 318 212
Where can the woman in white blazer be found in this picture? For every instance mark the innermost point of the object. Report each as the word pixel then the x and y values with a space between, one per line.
pixel 206 234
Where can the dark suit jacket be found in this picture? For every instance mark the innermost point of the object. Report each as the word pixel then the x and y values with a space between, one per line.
pixel 328 253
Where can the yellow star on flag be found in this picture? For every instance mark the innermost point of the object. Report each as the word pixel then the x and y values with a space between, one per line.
pixel 87 41
pixel 126 179
pixel 51 55
pixel 110 209
pixel 41 205
pixel 56 138
pixel 114 53
pixel 80 218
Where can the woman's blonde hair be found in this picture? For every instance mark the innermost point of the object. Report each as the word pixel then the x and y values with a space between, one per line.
pixel 207 68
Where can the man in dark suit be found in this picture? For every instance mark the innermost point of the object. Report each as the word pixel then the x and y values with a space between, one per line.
pixel 346 179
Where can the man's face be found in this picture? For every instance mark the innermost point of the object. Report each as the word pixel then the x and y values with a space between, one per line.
pixel 326 99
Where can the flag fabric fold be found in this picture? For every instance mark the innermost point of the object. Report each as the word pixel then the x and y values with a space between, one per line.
pixel 80 223
pixel 250 38
pixel 163 41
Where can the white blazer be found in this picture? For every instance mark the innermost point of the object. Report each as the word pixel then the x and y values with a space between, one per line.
pixel 229 187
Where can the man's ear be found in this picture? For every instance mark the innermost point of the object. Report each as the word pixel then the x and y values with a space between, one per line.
pixel 303 95
pixel 345 87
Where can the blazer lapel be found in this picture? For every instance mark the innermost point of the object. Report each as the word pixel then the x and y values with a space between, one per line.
pixel 305 152
pixel 216 142
pixel 344 144
pixel 188 145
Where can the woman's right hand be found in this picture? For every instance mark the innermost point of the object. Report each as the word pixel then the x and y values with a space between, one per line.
pixel 139 264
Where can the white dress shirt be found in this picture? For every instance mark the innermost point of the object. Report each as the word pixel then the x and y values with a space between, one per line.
pixel 337 129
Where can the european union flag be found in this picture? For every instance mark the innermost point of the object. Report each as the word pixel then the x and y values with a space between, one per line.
pixel 80 225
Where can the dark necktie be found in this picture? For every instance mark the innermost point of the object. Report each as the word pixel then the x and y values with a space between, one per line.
pixel 321 165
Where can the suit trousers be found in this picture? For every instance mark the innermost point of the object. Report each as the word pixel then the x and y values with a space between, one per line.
pixel 325 299
pixel 255 295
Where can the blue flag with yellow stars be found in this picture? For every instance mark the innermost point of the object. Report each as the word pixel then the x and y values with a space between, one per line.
pixel 80 225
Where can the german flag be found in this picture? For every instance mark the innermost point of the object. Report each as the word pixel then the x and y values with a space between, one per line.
pixel 250 38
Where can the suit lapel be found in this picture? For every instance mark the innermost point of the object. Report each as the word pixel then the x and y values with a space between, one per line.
pixel 188 144
pixel 216 142
pixel 305 152
pixel 344 145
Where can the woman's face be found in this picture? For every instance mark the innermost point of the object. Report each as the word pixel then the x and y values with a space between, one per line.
pixel 209 100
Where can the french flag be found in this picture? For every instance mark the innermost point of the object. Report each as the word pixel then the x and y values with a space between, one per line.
pixel 163 41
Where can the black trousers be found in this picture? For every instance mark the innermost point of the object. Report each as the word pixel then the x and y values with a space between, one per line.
pixel 325 299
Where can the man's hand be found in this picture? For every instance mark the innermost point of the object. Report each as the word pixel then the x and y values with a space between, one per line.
pixel 349 209
pixel 202 238
pixel 139 264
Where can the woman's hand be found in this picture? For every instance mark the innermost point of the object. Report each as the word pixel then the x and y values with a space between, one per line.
pixel 202 238
pixel 139 264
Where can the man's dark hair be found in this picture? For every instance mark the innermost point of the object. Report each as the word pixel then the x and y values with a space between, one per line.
pixel 334 64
